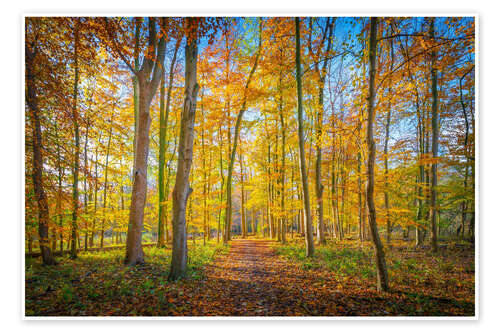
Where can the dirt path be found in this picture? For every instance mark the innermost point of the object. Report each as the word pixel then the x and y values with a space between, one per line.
pixel 253 281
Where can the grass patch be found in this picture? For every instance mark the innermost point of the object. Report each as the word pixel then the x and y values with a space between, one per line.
pixel 430 282
pixel 344 262
pixel 96 280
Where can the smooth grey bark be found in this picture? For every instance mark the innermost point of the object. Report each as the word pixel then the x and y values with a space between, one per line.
pixel 382 277
pixel 298 76
pixel 182 190
pixel 148 78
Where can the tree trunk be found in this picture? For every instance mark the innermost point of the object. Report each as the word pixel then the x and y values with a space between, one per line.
pixel 298 76
pixel 161 165
pixel 41 198
pixel 243 217
pixel 466 151
pixel 164 114
pixel 134 252
pixel 76 168
pixel 96 187
pixel 318 184
pixel 105 198
pixel 85 195
pixel 135 82
pixel 148 78
pixel 386 151
pixel 282 169
pixel 182 190
pixel 435 138
pixel 221 195
pixel 382 278
pixel 360 202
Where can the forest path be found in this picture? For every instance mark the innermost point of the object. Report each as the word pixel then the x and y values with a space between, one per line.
pixel 251 280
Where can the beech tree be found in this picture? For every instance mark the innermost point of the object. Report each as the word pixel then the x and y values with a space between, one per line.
pixel 31 53
pixel 76 167
pixel 435 138
pixel 305 190
pixel 164 118
pixel 382 278
pixel 148 78
pixel 182 189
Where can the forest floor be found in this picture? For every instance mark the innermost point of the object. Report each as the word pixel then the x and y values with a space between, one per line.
pixel 256 278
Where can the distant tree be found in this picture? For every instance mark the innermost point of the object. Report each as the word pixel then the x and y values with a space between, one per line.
pixel 303 172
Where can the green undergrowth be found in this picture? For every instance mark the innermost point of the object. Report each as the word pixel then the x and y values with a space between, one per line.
pixel 72 287
pixel 448 276
pixel 344 261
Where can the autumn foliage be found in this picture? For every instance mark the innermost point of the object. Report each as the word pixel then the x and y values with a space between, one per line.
pixel 389 138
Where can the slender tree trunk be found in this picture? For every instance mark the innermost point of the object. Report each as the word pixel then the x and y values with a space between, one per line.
pixel 76 168
pixel 386 151
pixel 420 192
pixel 164 115
pixel 105 198
pixel 60 175
pixel 318 184
pixel 303 173
pixel 270 221
pixel 135 82
pixel 382 277
pixel 85 195
pixel 96 187
pixel 243 217
pixel 221 194
pixel 282 168
pixel 277 186
pixel 161 165
pixel 360 202
pixel 204 170
pixel 182 190
pixel 333 185
pixel 466 151
pixel 208 194
pixel 435 138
